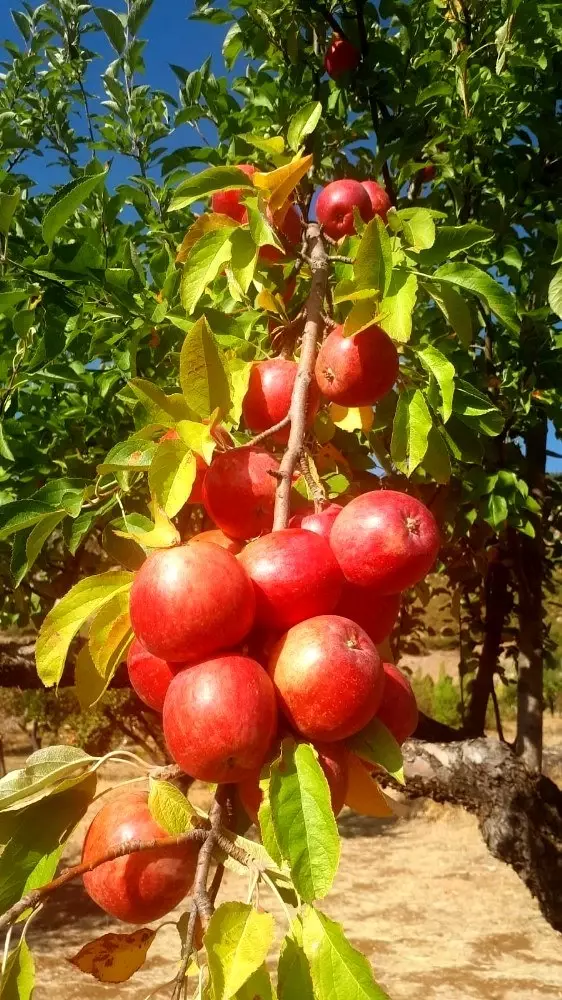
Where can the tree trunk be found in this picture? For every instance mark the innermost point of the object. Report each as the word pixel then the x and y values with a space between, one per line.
pixel 530 571
pixel 497 608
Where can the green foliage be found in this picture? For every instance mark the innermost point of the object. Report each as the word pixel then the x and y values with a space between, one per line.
pixel 237 942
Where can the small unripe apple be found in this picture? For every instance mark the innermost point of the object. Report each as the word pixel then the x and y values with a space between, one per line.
pixel 218 537
pixel 143 886
pixel 341 57
pixel 191 600
pixel 379 198
pixel 220 718
pixel 268 397
pixel 328 677
pixel 376 613
pixel 333 759
pixel 295 576
pixel 385 540
pixel 357 370
pixel 228 202
pixel 398 709
pixel 334 208
pixel 239 491
pixel 150 676
pixel 318 521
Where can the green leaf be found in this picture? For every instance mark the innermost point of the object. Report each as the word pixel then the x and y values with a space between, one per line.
pixel 169 807
pixel 555 293
pixel 262 233
pixel 376 744
pixel 257 987
pixel 172 475
pixel 66 202
pixel 161 408
pixel 373 263
pixel 232 45
pixel 273 145
pixel 203 263
pixel 456 312
pixel 5 450
pixel 203 375
pixel 338 970
pixel 139 10
pixel 18 978
pixel 8 205
pixel 418 227
pixel 443 372
pixel 267 830
pixel 499 301
pixel 113 27
pixel 65 618
pixel 451 240
pixel 20 514
pixel 135 454
pixel 46 772
pixel 494 510
pixel 557 259
pixel 397 306
pixel 39 535
pixel 303 124
pixel 410 431
pixel 293 973
pixel 244 258
pixel 126 551
pixel 208 182
pixel 237 942
pixel 437 462
pixel 304 824
pixel 476 410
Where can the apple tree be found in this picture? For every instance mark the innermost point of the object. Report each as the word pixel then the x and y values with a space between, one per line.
pixel 263 413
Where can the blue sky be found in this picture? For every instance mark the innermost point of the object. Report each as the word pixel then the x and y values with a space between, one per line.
pixel 175 39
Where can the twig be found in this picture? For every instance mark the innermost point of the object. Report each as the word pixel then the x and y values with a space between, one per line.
pixel 297 411
pixel 315 489
pixel 335 25
pixel 279 426
pixel 342 260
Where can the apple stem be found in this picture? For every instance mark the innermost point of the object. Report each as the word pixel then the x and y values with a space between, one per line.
pixel 299 400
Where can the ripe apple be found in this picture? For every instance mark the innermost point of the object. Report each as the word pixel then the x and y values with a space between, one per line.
pixel 318 521
pixel 428 173
pixel 328 677
pixel 332 757
pixel 357 370
pixel 141 887
pixel 376 613
pixel 189 601
pixel 196 495
pixel 228 202
pixel 149 675
pixel 385 540
pixel 268 396
pixel 220 718
pixel 239 491
pixel 341 57
pixel 295 576
pixel 398 710
pixel 290 226
pixel 218 537
pixel 334 208
pixel 379 198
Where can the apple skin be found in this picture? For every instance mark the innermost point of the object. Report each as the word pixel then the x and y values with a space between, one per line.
pixel 379 198
pixel 290 226
pixel 376 613
pixel 385 540
pixel 239 491
pixel 142 887
pixel 398 709
pixel 228 202
pixel 428 173
pixel 333 759
pixel 334 208
pixel 341 57
pixel 318 521
pixel 218 537
pixel 357 370
pixel 295 576
pixel 220 718
pixel 149 676
pixel 189 601
pixel 196 495
pixel 328 677
pixel 268 397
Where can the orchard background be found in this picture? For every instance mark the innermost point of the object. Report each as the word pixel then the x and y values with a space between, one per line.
pixel 124 313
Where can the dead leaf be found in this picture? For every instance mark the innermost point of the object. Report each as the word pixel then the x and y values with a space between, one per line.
pixel 114 958
pixel 363 794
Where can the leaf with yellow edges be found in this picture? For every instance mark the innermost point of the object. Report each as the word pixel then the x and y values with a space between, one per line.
pixel 162 535
pixel 206 223
pixel 279 184
pixel 363 794
pixel 114 958
pixel 352 418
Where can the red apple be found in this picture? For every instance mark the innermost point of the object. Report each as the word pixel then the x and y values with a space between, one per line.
pixel 334 208
pixel 220 718
pixel 341 57
pixel 385 540
pixel 328 677
pixel 332 757
pixel 218 537
pixel 398 710
pixel 150 676
pixel 189 601
pixel 357 370
pixel 290 226
pixel 196 495
pixel 289 290
pixel 379 198
pixel 140 887
pixel 228 202
pixel 239 491
pixel 295 576
pixel 268 397
pixel 428 173
pixel 376 613
pixel 318 521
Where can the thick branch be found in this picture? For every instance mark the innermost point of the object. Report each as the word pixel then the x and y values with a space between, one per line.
pixel 297 413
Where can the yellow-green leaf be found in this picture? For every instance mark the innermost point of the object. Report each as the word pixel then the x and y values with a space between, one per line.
pixel 203 263
pixel 281 182
pixel 397 307
pixel 206 183
pixel 337 969
pixel 444 373
pixel 206 223
pixel 169 807
pixel 376 744
pixel 373 263
pixel 352 418
pixel 410 431
pixel 203 374
pixel 171 476
pixel 237 942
